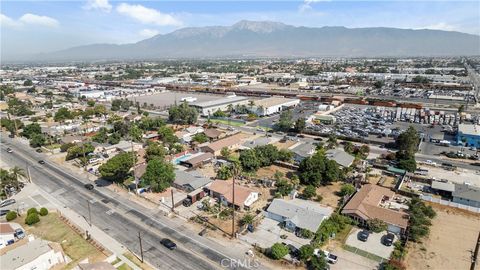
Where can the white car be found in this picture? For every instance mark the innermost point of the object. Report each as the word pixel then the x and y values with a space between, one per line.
pixel 331 258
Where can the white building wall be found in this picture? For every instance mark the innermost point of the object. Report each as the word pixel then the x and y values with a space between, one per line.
pixel 44 262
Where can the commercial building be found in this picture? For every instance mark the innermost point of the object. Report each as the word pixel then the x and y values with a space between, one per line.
pixel 466 195
pixel 469 135
pixel 272 105
pixel 298 214
pixel 375 202
pixel 207 108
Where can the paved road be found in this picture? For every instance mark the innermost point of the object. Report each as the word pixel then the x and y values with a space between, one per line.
pixel 120 218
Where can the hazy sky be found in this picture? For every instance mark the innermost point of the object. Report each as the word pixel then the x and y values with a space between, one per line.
pixel 42 26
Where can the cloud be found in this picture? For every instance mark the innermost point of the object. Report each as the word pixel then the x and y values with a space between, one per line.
pixel 307 5
pixel 148 33
pixel 101 5
pixel 7 21
pixel 147 15
pixel 28 19
pixel 440 26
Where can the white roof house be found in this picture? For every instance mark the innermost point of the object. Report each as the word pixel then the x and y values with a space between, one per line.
pixel 298 213
pixel 36 254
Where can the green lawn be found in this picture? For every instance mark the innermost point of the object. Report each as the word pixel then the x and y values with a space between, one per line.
pixel 124 267
pixel 52 228
pixel 226 122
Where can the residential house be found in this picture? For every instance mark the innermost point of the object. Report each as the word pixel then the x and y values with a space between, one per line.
pixel 260 141
pixel 35 254
pixel 298 214
pixel 302 151
pixel 7 235
pixel 341 157
pixel 197 160
pixel 231 142
pixel 223 190
pixel 190 181
pixel 373 201
pixel 213 134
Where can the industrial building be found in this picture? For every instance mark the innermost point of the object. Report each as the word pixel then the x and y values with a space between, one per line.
pixel 209 107
pixel 269 106
pixel 468 135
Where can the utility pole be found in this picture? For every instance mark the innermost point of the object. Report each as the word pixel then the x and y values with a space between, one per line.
pixel 134 166
pixel 141 248
pixel 475 254
pixel 173 204
pixel 28 172
pixel 89 214
pixel 235 173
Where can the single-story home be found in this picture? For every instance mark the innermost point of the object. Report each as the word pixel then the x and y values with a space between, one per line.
pixel 373 201
pixel 341 157
pixel 212 134
pixel 223 190
pixel 302 151
pixel 260 141
pixel 34 254
pixel 231 142
pixel 7 235
pixel 190 181
pixel 197 160
pixel 298 214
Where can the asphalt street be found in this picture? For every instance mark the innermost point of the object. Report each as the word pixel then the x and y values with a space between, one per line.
pixel 121 218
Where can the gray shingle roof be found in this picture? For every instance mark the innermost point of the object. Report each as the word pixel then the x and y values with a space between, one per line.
pixel 341 157
pixel 193 179
pixel 304 214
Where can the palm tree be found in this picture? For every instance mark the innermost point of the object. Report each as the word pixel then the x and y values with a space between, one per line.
pixel 15 173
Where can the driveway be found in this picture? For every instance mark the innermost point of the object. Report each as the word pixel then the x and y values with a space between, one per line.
pixel 351 261
pixel 373 245
pixel 268 232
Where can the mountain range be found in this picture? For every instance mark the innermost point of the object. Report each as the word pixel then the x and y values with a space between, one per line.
pixel 252 39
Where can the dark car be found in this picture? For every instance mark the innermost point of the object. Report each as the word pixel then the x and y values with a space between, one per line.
pixel 3 212
pixel 9 150
pixel 187 202
pixel 168 243
pixel 388 239
pixel 41 161
pixel 88 186
pixel 7 202
pixel 294 252
pixel 363 235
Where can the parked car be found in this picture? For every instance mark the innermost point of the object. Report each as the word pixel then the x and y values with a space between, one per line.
pixel 168 243
pixel 39 150
pixel 3 212
pixel 7 202
pixel 88 186
pixel 19 233
pixel 388 239
pixel 187 202
pixel 363 235
pixel 41 162
pixel 9 150
pixel 330 257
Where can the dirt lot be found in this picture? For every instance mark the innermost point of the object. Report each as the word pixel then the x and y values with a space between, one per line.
pixel 329 194
pixel 270 171
pixel 452 238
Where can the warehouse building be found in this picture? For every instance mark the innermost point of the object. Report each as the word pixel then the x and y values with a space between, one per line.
pixel 469 135
pixel 272 105
pixel 209 107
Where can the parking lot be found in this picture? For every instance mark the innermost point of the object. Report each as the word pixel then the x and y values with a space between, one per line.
pixel 373 245
pixel 268 232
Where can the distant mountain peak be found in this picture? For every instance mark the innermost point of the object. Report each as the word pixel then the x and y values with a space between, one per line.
pixel 259 26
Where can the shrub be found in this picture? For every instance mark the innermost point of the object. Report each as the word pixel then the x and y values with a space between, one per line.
pixel 305 233
pixel 32 210
pixel 309 192
pixel 377 225
pixel 319 198
pixel 278 251
pixel 43 211
pixel 32 218
pixel 305 253
pixel 11 215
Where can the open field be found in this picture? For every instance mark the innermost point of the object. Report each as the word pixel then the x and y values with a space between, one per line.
pixel 453 235
pixel 52 228
pixel 329 194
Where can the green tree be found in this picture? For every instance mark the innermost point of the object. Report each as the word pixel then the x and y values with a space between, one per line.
pixel 28 82
pixel 31 129
pixel 378 84
pixel 32 210
pixel 117 168
pixel 32 218
pixel 305 252
pixel 225 152
pixel 285 122
pixel 90 103
pixel 318 170
pixel 225 172
pixel 62 115
pixel 247 219
pixel 135 133
pixel 309 192
pixel 408 141
pixel 278 251
pixel 182 114
pixel 159 175
pixel 37 140
pixel 348 147
pixel 283 187
pixel 347 189
pixel 377 225
pixel 11 215
pixel 249 160
pixel 43 211
pixel 79 150
pixel 420 219
pixel 407 164
pixel 101 136
pixel 285 155
pixel 155 151
pixel 167 135
pixel 300 125
pixel 200 138
pixel 114 138
pixel 318 262
pixel 219 113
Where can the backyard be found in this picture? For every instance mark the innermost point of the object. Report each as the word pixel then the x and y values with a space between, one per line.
pixel 452 238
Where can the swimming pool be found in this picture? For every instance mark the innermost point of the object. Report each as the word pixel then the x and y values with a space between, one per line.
pixel 181 158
